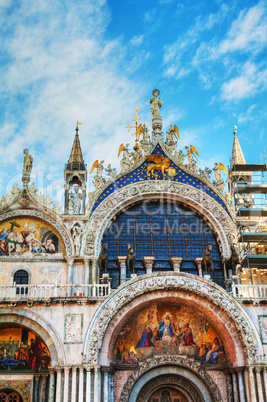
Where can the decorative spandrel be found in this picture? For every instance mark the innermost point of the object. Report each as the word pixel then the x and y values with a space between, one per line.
pixel 172 329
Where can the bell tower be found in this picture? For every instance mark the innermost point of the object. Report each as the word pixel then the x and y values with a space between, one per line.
pixel 75 178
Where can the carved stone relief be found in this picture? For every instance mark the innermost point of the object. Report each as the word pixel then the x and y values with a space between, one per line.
pixel 73 328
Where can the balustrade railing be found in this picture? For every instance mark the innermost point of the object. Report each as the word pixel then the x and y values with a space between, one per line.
pixel 39 292
pixel 250 292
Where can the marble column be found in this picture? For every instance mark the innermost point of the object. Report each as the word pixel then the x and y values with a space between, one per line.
pixel 105 371
pixel 97 385
pixel 88 384
pixel 86 275
pixel 111 384
pixel 241 387
pixel 58 385
pixel 148 263
pixel 198 264
pixel 176 263
pixel 259 383
pixel 66 384
pixel 252 389
pixel 51 392
pixel 94 269
pixel 235 386
pixel 73 384
pixel 81 384
pixel 265 380
pixel 42 397
pixel 36 388
pixel 229 385
pixel 70 273
pixel 122 265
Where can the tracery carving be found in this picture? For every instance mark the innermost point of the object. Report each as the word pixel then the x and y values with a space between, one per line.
pixel 170 360
pixel 166 281
pixel 217 217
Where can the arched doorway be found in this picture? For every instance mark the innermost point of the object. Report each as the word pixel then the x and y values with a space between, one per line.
pixel 9 395
pixel 169 388
pixel 169 394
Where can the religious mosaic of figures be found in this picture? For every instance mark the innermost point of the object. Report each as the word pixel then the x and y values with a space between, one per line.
pixel 22 349
pixel 168 329
pixel 28 236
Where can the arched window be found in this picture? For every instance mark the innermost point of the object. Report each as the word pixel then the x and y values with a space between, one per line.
pixel 21 277
pixel 162 230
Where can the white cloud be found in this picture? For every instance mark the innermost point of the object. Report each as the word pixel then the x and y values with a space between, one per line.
pixel 247 84
pixel 63 70
pixel 248 32
pixel 137 40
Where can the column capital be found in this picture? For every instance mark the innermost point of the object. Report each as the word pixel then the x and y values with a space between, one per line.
pixel 88 368
pixel 258 369
pixel 67 368
pixel 51 370
pixel 97 367
pixel 105 369
pixel 176 263
pixel 121 260
pixel 198 261
pixel 81 368
pixel 239 369
pixel 148 262
pixel 70 260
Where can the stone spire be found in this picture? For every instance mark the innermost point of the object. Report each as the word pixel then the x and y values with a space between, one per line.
pixel 237 153
pixel 76 161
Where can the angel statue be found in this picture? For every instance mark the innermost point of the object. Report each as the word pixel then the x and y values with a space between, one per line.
pixel 173 134
pixel 98 179
pixel 172 139
pixel 125 162
pixel 112 173
pixel 218 182
pixel 217 171
pixel 156 104
pixel 137 155
pixel 191 152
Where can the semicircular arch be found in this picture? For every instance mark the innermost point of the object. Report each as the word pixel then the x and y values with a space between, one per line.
pixel 55 223
pixel 239 326
pixel 40 326
pixel 217 217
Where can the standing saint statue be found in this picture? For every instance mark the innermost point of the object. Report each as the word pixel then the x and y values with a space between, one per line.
pixel 27 163
pixel 76 201
pixel 156 104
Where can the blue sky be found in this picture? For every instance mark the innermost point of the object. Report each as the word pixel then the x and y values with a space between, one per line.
pixel 96 61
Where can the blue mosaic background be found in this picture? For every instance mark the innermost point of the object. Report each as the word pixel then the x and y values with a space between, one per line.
pixel 162 230
pixel 139 174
